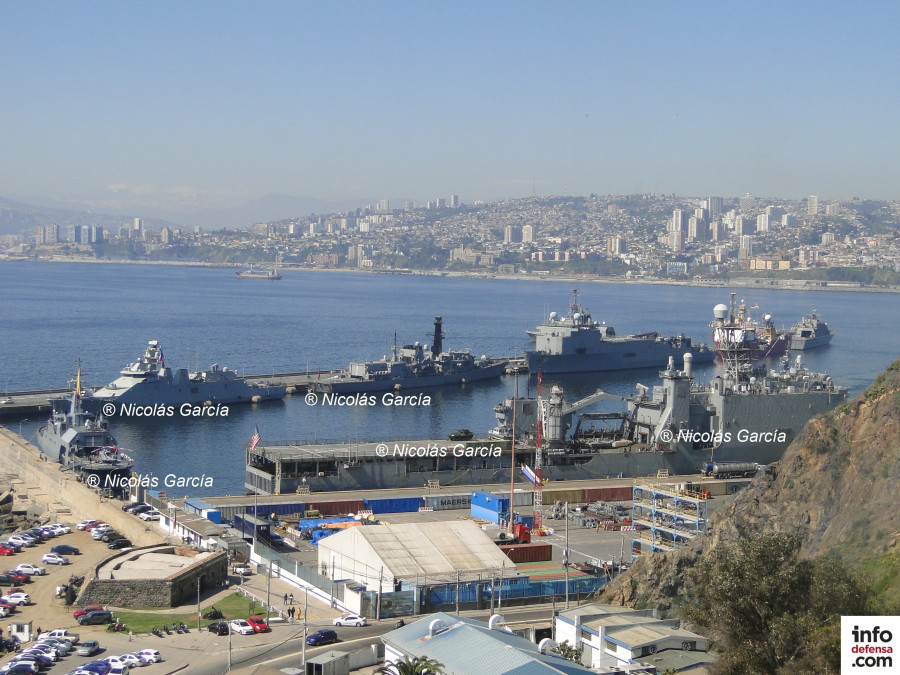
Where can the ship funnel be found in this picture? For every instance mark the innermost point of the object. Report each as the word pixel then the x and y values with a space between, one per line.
pixel 720 311
pixel 688 364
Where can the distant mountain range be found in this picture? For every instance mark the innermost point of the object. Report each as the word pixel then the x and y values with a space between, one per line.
pixel 16 217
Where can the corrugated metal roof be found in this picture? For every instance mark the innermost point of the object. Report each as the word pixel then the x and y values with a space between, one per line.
pixel 435 548
pixel 465 646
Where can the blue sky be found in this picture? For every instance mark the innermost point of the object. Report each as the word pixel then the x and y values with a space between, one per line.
pixel 213 103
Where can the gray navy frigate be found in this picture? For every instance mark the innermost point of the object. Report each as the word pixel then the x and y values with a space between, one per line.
pixel 148 382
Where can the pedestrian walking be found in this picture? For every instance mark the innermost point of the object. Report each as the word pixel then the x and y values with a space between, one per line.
pixel 285 598
pixel 291 599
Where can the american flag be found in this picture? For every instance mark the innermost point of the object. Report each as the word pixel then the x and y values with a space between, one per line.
pixel 255 438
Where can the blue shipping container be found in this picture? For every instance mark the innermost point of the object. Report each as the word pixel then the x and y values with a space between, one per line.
pixel 485 514
pixel 399 505
pixel 213 516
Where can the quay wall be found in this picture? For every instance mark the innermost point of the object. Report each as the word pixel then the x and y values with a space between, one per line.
pixel 41 482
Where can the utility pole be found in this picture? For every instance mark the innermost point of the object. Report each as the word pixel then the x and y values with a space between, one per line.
pixel 229 649
pixel 305 608
pixel 566 556
pixel 457 592
pixel 198 603
pixel 268 587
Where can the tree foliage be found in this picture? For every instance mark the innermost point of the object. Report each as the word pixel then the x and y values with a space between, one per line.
pixel 773 610
pixel 568 652
pixel 420 665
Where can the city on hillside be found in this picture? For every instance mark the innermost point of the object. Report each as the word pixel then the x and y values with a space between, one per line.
pixel 851 242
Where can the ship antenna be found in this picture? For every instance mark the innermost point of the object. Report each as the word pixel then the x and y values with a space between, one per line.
pixel 78 379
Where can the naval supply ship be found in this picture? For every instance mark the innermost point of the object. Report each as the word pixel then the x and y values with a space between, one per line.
pixel 576 344
pixel 810 332
pixel 746 414
pixel 148 382
pixel 81 442
pixel 412 366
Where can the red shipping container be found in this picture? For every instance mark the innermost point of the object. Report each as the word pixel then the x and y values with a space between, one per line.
pixel 613 493
pixel 337 508
pixel 526 553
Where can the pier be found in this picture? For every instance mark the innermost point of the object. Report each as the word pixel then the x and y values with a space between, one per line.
pixel 36 402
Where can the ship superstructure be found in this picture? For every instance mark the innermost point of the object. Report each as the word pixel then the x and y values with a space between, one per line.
pixel 810 332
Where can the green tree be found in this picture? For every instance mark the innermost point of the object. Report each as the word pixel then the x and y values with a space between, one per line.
pixel 772 609
pixel 419 665
pixel 568 652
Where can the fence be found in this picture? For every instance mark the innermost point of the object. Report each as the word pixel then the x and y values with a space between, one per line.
pixel 285 565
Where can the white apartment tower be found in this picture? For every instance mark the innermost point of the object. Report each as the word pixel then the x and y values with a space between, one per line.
pixel 812 206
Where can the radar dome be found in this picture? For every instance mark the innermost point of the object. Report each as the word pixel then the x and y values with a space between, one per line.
pixel 553 316
pixel 767 318
pixel 720 311
pixel 576 316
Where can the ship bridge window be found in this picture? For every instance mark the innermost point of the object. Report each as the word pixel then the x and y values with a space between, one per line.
pixel 629 355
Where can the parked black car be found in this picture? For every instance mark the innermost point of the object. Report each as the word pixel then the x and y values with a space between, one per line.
pixel 112 535
pixel 131 506
pixel 219 628
pixel 65 549
pixel 119 543
pixel 322 637
pixel 6 580
pixel 140 509
pixel 96 617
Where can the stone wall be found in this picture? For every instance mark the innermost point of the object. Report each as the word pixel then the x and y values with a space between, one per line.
pixel 43 483
pixel 171 591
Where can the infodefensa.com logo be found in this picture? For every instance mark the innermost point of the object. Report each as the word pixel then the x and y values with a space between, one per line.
pixel 867 644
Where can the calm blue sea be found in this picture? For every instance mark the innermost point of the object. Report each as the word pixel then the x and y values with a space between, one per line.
pixel 104 314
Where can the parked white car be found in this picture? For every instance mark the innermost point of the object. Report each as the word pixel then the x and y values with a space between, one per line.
pixel 150 515
pixel 53 559
pixel 350 620
pixel 134 661
pixel 60 529
pixel 152 654
pixel 17 598
pixel 31 570
pixel 21 540
pixel 242 626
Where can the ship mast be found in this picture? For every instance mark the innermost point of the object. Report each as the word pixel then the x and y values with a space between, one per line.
pixel 512 458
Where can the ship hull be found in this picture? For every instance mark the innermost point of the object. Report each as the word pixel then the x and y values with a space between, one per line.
pixel 803 344
pixel 164 393
pixel 359 386
pixel 618 355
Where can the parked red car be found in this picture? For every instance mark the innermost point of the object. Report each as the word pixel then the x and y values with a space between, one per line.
pixel 259 625
pixel 93 525
pixel 6 550
pixel 84 610
pixel 18 576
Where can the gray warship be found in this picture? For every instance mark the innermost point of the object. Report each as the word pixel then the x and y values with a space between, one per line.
pixel 82 443
pixel 810 332
pixel 148 382
pixel 577 344
pixel 412 367
pixel 745 414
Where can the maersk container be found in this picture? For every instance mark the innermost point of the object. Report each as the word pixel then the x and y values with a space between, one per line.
pixel 448 502
pixel 398 505
pixel 527 553
pixel 570 496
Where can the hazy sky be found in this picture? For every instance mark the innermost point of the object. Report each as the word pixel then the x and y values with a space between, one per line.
pixel 204 103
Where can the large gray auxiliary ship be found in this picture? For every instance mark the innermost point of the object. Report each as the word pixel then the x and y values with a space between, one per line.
pixel 577 344
pixel 148 382
pixel 413 367
pixel 746 414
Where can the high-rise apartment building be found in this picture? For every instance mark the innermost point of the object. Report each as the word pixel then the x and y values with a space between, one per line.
pixel 812 205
